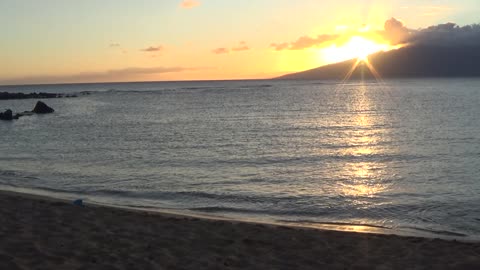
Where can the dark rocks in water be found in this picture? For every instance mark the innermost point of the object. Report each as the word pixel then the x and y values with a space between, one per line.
pixel 25 113
pixel 42 108
pixel 6 95
pixel 7 115
pixel 34 95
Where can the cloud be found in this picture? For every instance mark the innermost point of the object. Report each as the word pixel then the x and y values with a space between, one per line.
pixel 242 46
pixel 220 50
pixel 105 76
pixel 395 31
pixel 280 46
pixel 304 42
pixel 187 4
pixel 446 34
pixel 153 49
pixel 114 45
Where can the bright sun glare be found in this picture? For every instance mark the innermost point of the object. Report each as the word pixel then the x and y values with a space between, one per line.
pixel 356 48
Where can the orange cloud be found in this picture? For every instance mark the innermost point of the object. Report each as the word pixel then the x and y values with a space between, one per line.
pixel 241 47
pixel 220 50
pixel 280 46
pixel 308 42
pixel 304 42
pixel 395 31
pixel 189 4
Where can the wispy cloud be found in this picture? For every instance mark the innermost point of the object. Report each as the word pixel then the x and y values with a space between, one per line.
pixel 304 42
pixel 114 45
pixel 280 46
pixel 309 42
pixel 189 4
pixel 104 76
pixel 153 49
pixel 220 50
pixel 242 46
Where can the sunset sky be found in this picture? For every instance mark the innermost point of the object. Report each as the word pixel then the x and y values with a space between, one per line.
pixel 53 41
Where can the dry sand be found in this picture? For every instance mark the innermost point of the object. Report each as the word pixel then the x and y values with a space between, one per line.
pixel 42 233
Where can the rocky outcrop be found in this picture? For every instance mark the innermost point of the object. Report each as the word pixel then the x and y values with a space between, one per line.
pixel 42 108
pixel 7 115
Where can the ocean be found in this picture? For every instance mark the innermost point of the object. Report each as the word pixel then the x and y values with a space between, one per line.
pixel 401 155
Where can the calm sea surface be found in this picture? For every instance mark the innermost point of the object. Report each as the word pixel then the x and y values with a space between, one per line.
pixel 404 154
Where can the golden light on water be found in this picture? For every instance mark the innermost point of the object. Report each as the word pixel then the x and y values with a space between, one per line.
pixel 363 178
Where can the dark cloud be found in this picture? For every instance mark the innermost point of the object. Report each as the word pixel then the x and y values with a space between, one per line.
pixel 447 34
pixel 153 49
pixel 220 50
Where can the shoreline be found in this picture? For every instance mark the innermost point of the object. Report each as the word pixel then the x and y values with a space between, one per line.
pixel 326 226
pixel 54 233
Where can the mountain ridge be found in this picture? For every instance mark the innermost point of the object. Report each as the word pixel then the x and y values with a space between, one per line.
pixel 415 61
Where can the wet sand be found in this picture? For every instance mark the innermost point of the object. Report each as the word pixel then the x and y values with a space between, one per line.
pixel 44 233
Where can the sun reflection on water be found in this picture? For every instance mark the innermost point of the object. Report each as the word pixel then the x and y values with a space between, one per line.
pixel 362 178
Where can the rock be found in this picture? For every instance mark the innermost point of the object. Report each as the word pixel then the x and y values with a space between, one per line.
pixel 25 113
pixel 7 115
pixel 42 108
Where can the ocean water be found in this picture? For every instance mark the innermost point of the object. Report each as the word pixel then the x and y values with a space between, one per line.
pixel 401 155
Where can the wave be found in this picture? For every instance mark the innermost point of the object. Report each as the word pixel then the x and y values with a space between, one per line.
pixel 300 221
pixel 273 212
pixel 433 231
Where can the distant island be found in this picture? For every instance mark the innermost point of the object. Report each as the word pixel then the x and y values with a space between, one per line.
pixel 407 62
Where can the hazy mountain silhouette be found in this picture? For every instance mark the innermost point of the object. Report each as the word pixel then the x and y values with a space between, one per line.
pixel 408 62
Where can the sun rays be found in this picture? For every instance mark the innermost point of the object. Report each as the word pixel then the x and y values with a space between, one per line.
pixel 363 60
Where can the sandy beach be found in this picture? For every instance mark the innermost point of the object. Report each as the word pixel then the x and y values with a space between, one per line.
pixel 44 233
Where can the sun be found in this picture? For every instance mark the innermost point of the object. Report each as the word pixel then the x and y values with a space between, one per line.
pixel 357 47
pixel 362 47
